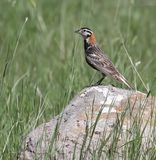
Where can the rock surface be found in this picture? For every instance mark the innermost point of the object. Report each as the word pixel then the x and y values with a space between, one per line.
pixel 100 121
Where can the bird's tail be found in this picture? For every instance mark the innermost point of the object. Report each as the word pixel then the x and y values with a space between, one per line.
pixel 124 80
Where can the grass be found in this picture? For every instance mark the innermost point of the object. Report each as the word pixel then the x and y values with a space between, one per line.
pixel 42 63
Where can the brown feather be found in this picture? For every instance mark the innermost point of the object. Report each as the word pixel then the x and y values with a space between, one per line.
pixel 99 61
pixel 92 39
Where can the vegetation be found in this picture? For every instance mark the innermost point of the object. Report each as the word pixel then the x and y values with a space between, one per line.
pixel 42 62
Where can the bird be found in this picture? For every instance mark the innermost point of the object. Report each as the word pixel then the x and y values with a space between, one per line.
pixel 98 60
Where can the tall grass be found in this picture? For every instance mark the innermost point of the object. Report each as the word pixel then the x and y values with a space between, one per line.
pixel 42 63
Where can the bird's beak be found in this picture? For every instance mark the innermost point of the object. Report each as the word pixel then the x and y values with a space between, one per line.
pixel 77 31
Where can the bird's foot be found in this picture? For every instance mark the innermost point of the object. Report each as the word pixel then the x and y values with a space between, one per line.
pixel 112 85
pixel 97 83
pixel 92 85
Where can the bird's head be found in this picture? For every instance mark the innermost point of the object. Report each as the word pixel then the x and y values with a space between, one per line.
pixel 87 35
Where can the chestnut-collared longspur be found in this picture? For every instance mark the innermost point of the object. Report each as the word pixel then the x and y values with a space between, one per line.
pixel 97 59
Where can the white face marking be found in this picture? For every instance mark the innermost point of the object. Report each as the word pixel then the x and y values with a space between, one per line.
pixel 86 33
pixel 87 39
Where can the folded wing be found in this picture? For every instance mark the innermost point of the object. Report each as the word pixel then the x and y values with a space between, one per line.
pixel 99 61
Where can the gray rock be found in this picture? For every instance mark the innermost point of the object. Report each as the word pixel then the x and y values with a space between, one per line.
pixel 100 121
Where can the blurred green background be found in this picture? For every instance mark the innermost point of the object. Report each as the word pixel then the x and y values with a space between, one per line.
pixel 42 63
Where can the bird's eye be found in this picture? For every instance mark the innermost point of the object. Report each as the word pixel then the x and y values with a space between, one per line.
pixel 84 30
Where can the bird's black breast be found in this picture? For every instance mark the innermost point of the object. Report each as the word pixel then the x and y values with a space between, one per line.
pixel 90 51
pixel 90 64
pixel 86 45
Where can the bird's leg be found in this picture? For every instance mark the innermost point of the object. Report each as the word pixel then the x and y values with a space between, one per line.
pixel 113 85
pixel 99 81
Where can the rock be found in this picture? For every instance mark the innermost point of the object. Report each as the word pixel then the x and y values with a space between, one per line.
pixel 100 122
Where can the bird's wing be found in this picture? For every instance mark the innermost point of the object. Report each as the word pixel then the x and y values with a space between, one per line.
pixel 98 60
